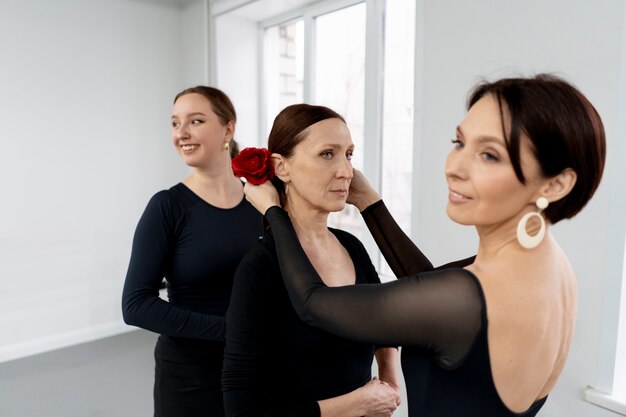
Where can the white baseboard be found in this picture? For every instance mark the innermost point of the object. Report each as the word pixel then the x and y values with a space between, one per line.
pixel 611 402
pixel 58 341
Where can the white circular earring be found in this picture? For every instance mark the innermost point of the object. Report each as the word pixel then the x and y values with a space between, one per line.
pixel 527 241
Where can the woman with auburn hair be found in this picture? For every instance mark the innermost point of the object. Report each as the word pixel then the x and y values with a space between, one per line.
pixel 489 335
pixel 193 235
pixel 274 364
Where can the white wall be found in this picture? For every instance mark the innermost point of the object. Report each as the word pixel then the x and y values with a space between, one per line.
pixel 87 87
pixel 580 40
pixel 237 73
pixel 195 43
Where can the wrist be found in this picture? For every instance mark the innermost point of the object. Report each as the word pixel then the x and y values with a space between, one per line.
pixel 368 200
pixel 346 405
pixel 269 207
pixel 359 401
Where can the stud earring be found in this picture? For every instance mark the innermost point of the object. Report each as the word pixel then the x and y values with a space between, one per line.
pixel 527 241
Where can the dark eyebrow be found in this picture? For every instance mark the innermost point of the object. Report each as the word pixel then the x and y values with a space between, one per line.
pixel 484 138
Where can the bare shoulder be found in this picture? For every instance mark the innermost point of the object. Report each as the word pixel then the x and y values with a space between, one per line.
pixel 531 309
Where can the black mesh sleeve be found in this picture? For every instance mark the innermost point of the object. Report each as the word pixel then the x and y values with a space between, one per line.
pixel 403 257
pixel 441 311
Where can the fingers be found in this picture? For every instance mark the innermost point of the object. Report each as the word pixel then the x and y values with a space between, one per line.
pixel 395 391
pixel 387 397
pixel 262 196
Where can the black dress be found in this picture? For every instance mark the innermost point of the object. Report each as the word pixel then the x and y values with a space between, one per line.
pixel 437 315
pixel 197 248
pixel 274 364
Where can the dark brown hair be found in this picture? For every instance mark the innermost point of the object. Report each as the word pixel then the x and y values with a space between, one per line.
pixel 221 105
pixel 564 129
pixel 289 129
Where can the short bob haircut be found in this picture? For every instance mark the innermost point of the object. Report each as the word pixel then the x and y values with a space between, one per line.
pixel 564 130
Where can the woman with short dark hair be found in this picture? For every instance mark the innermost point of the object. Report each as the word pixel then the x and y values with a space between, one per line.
pixel 486 336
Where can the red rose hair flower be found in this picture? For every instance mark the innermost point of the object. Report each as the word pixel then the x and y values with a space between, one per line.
pixel 254 164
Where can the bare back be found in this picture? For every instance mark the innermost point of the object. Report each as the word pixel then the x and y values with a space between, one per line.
pixel 531 308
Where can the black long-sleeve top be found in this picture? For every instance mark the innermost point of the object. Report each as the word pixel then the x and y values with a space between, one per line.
pixel 276 365
pixel 437 315
pixel 197 248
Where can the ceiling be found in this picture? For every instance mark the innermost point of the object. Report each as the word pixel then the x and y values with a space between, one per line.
pixel 256 10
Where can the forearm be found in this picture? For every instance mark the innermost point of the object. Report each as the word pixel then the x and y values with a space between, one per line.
pixel 399 251
pixel 154 314
pixel 347 405
pixel 388 371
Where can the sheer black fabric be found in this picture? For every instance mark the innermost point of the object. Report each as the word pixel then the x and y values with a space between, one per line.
pixel 437 315
pixel 403 257
pixel 438 310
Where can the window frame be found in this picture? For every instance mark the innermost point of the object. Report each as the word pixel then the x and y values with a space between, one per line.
pixel 373 94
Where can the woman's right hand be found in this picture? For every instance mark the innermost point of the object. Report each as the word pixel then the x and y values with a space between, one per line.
pixel 263 196
pixel 379 399
pixel 361 193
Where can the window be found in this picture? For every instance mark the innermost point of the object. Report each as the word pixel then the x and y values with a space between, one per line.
pixel 397 145
pixel 318 55
pixel 339 83
pixel 284 67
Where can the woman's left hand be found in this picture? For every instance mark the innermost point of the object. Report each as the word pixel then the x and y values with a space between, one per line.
pixel 361 194
pixel 262 196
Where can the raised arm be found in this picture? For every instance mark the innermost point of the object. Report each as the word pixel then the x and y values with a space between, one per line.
pixel 439 310
pixel 399 251
pixel 141 306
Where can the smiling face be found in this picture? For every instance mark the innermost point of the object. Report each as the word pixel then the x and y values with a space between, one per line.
pixel 197 132
pixel 483 187
pixel 319 172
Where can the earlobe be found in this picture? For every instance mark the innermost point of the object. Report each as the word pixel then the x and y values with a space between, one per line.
pixel 560 185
